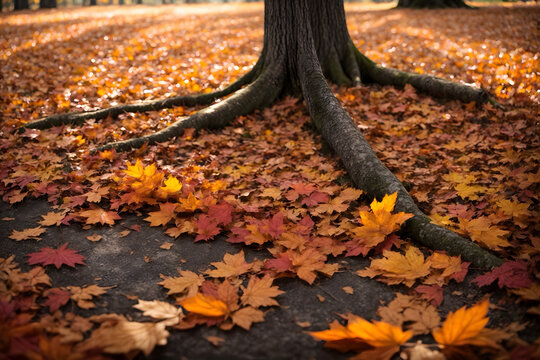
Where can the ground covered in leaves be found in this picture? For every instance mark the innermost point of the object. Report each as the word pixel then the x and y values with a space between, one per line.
pixel 205 236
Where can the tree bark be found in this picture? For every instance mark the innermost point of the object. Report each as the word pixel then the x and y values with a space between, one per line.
pixel 21 5
pixel 432 4
pixel 47 4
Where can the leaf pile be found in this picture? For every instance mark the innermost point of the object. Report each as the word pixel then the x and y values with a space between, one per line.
pixel 265 181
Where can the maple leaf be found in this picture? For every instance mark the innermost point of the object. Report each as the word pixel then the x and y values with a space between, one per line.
pixel 83 295
pixel 99 215
pixel 52 218
pixel 432 293
pixel 57 257
pixel 512 274
pixel 334 205
pixel 513 208
pixel 481 230
pixel 207 228
pixel 464 327
pixel 127 336
pixel 136 170
pixel 205 305
pixel 378 333
pixel 232 265
pixel 397 268
pixel 160 310
pixel 56 298
pixel 260 292
pixel 247 316
pixel 222 213
pixel 418 316
pixel 189 204
pixel 172 185
pixel 26 234
pixel 188 282
pixel 381 222
pixel 380 340
pixel 163 216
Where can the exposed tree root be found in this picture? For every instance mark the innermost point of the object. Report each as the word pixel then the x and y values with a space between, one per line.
pixel 151 105
pixel 369 173
pixel 431 85
pixel 260 93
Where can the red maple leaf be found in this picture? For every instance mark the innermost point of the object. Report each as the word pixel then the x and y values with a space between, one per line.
pixel 512 274
pixel 222 213
pixel 239 235
pixel 280 264
pixel 274 227
pixel 57 257
pixel 433 293
pixel 315 198
pixel 206 228
pixel 56 298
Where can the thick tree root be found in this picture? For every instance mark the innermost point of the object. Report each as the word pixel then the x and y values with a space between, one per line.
pixel 370 175
pixel 431 85
pixel 260 93
pixel 151 105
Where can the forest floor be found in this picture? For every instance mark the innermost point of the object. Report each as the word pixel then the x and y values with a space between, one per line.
pixel 238 242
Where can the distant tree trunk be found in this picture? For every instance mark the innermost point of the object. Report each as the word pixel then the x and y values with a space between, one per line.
pixel 21 5
pixel 139 2
pixel 0 6
pixel 120 2
pixel 47 4
pixel 432 4
pixel 93 2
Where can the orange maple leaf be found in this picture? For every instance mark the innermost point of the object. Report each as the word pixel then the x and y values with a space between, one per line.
pixel 397 268
pixel 376 334
pixel 232 265
pixel 381 222
pixel 205 305
pixel 464 327
pixel 163 216
pixel 99 215
pixel 189 204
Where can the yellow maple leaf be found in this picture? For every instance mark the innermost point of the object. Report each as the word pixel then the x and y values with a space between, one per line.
pixel 136 170
pixel 513 208
pixel 464 327
pixel 386 205
pixel 481 230
pixel 397 268
pixel 205 305
pixel 172 185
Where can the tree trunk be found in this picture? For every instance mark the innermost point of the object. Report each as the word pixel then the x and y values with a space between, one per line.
pixel 21 5
pixel 432 4
pixel 47 4
pixel 307 42
pixel 93 2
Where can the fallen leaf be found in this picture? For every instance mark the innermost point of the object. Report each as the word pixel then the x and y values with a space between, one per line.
pixel 57 257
